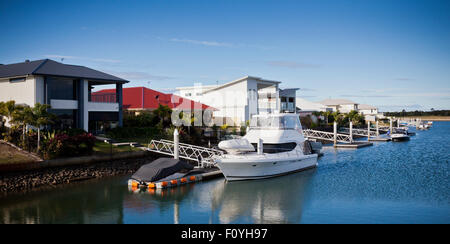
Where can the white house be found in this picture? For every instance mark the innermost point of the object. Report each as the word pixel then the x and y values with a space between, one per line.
pixel 238 100
pixel 67 88
pixel 366 109
pixel 341 105
pixel 305 105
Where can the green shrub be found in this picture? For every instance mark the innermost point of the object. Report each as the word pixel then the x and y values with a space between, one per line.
pixel 63 145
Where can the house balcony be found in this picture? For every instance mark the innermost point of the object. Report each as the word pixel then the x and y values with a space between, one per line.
pixel 102 107
pixel 103 103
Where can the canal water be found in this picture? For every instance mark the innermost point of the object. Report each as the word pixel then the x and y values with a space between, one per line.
pixel 390 182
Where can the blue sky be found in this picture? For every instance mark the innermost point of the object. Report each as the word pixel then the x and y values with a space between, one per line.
pixel 394 54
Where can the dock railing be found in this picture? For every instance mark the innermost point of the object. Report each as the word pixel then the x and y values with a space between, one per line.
pixel 202 155
pixel 327 136
pixel 358 132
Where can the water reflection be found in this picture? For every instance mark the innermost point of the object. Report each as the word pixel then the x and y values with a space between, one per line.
pixel 276 200
pixel 88 202
pixel 386 183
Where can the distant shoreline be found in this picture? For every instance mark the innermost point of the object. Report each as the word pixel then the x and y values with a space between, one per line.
pixel 430 118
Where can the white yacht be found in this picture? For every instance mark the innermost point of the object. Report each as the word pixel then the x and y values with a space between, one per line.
pixel 281 149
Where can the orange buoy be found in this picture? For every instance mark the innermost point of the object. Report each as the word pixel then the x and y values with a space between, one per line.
pixel 192 178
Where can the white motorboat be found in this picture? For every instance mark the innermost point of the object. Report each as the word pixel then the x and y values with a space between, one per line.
pixel 281 149
pixel 400 135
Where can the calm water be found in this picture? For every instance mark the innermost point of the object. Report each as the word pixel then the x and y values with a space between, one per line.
pixel 393 182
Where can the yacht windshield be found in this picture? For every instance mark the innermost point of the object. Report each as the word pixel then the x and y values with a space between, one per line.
pixel 276 122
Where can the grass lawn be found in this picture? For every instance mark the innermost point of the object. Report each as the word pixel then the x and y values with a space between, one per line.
pixel 144 141
pixel 10 155
pixel 105 148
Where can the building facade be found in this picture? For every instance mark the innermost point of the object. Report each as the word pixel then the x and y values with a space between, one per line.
pixel 341 105
pixel 237 101
pixel 67 89
pixel 145 99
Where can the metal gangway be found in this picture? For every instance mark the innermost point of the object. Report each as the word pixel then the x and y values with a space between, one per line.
pixel 327 136
pixel 358 132
pixel 202 155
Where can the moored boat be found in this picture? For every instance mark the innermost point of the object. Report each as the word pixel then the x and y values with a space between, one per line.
pixel 400 134
pixel 281 149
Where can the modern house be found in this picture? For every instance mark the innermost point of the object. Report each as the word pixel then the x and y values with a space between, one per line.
pixel 238 100
pixel 366 109
pixel 341 105
pixel 67 88
pixel 305 107
pixel 144 99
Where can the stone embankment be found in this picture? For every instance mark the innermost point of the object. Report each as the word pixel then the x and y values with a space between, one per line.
pixel 17 181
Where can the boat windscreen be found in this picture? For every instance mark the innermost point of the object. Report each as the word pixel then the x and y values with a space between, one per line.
pixel 276 122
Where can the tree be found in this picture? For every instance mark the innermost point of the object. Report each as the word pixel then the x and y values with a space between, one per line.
pixel 22 116
pixel 41 117
pixel 163 112
pixel 7 110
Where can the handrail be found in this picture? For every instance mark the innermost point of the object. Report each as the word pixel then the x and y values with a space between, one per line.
pixel 327 136
pixel 201 155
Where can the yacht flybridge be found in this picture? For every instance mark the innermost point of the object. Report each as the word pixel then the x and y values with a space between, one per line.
pixel 281 149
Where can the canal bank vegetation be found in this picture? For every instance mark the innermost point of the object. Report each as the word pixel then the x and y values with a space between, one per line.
pixel 29 130
pixel 325 120
pixel 157 124
pixel 417 113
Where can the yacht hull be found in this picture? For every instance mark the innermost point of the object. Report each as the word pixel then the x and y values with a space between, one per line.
pixel 236 170
pixel 400 138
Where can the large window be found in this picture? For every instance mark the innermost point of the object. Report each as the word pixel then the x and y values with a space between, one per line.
pixel 66 118
pixel 276 122
pixel 61 88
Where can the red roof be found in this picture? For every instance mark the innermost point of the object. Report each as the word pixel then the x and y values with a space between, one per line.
pixel 145 98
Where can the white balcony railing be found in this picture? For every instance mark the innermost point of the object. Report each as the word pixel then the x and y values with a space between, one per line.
pixel 102 107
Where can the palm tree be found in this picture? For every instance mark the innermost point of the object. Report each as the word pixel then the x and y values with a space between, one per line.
pixel 22 116
pixel 163 112
pixel 41 117
pixel 7 110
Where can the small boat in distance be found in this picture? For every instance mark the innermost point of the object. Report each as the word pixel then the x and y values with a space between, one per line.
pixel 281 149
pixel 399 135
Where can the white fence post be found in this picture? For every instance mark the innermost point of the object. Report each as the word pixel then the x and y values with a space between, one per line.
pixel 176 143
pixel 390 126
pixel 378 130
pixel 368 130
pixel 351 132
pixel 335 133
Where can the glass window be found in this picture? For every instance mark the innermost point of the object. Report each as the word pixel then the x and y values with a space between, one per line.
pixel 21 79
pixel 66 118
pixel 290 122
pixel 286 122
pixel 61 88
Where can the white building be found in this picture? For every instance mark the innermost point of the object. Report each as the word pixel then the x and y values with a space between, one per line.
pixel 366 109
pixel 238 100
pixel 341 105
pixel 305 105
pixel 66 88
